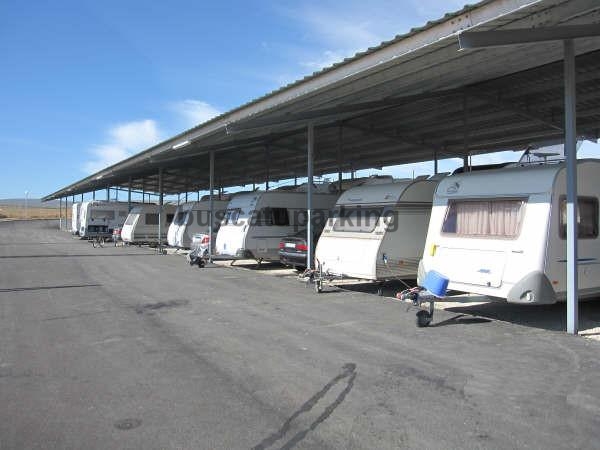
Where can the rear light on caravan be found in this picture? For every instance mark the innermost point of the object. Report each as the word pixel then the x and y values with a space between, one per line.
pixel 205 240
pixel 281 245
pixel 302 247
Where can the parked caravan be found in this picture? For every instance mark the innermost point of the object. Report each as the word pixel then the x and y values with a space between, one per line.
pixel 501 233
pixel 255 222
pixel 193 218
pixel 378 231
pixel 141 224
pixel 94 214
pixel 76 208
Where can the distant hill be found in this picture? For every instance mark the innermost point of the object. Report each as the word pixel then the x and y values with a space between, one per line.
pixel 31 203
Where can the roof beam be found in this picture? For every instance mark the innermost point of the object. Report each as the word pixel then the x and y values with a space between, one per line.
pixel 495 38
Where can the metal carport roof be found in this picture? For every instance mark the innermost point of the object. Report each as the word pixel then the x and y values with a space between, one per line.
pixel 407 100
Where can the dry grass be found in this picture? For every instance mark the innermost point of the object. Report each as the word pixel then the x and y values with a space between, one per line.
pixel 18 212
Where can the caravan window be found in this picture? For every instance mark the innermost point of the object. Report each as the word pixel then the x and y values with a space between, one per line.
pixel 484 218
pixel 180 218
pixel 280 217
pixel 357 220
pixel 587 218
pixel 232 216
pixel 273 217
pixel 130 219
pixel 109 215
pixel 151 219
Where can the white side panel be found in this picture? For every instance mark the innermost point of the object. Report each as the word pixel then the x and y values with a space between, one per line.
pixel 588 185
pixel 348 254
pixel 230 239
pixel 127 230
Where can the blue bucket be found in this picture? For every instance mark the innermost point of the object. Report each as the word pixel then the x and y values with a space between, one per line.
pixel 436 283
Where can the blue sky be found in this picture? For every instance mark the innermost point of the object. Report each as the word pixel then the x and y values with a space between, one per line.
pixel 84 84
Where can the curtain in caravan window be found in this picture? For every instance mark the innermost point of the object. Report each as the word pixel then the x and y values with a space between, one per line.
pixel 492 218
pixel 504 217
pixel 472 218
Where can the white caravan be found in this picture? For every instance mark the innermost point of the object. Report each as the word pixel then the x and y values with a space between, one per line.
pixel 501 233
pixel 142 223
pixel 378 231
pixel 255 222
pixel 192 218
pixel 76 208
pixel 95 214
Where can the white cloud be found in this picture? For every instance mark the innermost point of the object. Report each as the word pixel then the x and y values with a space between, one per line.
pixel 347 30
pixel 331 32
pixel 194 112
pixel 122 141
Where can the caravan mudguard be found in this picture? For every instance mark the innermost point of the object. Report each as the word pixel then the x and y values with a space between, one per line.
pixel 533 288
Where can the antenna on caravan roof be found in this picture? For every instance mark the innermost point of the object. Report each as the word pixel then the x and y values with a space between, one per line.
pixel 544 154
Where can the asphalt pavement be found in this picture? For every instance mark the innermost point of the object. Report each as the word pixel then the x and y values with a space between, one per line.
pixel 118 347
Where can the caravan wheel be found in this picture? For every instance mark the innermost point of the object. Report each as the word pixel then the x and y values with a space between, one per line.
pixel 318 285
pixel 423 318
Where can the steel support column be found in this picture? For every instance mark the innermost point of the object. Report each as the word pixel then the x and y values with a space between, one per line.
pixel 129 195
pixel 339 156
pixel 310 150
pixel 267 166
pixel 465 131
pixel 160 208
pixel 571 156
pixel 93 195
pixel 60 213
pixel 211 203
pixel 108 193
pixel 435 163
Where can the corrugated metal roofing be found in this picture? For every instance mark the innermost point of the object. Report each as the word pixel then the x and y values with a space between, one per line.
pixel 399 102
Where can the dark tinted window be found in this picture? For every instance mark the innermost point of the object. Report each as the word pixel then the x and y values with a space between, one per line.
pixel 587 217
pixel 151 219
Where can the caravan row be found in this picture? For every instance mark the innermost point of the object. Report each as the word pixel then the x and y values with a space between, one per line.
pixel 103 217
pixel 497 232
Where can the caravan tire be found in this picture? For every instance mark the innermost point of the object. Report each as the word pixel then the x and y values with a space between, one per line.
pixel 423 318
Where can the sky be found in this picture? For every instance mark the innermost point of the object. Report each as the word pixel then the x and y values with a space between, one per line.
pixel 84 84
